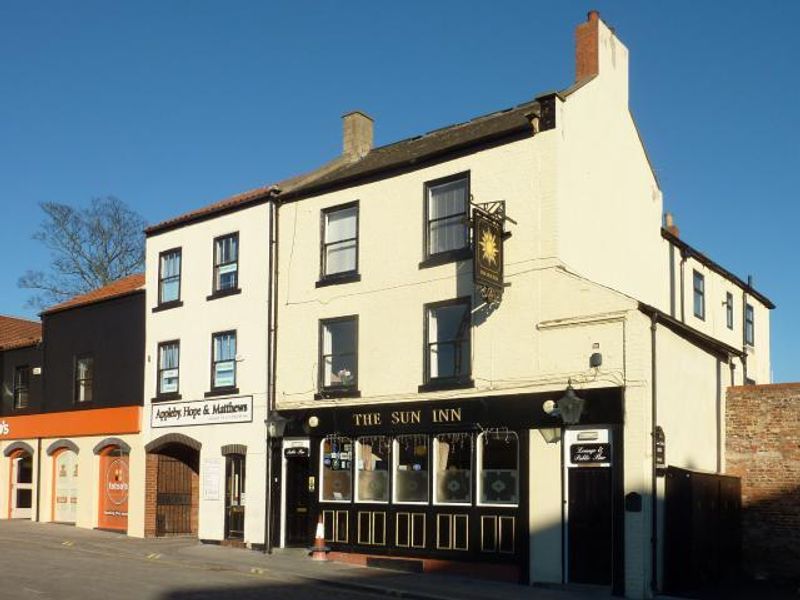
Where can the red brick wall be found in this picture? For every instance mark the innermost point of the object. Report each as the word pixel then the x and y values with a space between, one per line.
pixel 587 47
pixel 150 492
pixel 763 448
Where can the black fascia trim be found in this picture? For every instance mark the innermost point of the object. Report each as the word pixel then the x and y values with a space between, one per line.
pixel 228 391
pixel 337 393
pixel 349 277
pixel 224 293
pixel 446 384
pixel 443 258
pixel 168 305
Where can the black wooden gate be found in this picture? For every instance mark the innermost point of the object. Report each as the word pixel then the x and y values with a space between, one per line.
pixel 702 535
pixel 174 497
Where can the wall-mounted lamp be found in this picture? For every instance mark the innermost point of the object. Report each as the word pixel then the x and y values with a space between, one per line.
pixel 276 425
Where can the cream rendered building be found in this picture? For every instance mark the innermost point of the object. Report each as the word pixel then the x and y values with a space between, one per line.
pixel 421 421
pixel 206 366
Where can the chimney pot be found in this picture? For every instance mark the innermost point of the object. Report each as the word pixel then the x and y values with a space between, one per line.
pixel 593 15
pixel 669 225
pixel 357 134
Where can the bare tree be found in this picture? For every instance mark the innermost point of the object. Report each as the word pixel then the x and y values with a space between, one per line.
pixel 89 247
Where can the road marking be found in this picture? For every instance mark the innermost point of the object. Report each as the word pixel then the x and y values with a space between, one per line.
pixel 257 571
pixel 153 556
pixel 67 543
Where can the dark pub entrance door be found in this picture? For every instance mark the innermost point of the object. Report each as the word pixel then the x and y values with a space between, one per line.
pixel 589 525
pixel 234 496
pixel 297 499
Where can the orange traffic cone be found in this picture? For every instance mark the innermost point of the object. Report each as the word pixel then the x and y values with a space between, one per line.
pixel 319 551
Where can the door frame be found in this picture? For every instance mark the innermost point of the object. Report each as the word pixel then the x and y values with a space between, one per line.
pixel 15 457
pixel 289 443
pixel 59 453
pixel 230 459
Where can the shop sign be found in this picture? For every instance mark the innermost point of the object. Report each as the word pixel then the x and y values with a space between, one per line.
pixel 5 428
pixel 583 454
pixel 202 412
pixel 487 235
pixel 298 452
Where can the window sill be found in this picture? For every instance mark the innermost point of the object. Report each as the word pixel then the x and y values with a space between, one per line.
pixel 224 293
pixel 447 384
pixel 337 279
pixel 165 398
pixel 227 391
pixel 446 257
pixel 341 393
pixel 168 305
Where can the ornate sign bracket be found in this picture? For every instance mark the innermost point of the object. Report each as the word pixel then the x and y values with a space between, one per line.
pixel 488 237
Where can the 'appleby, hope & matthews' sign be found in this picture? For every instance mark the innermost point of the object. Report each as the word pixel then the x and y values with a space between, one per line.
pixel 202 412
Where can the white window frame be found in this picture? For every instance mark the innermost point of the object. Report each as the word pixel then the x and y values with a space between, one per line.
pixel 322 472
pixel 435 471
pixel 356 470
pixel 395 464
pixel 479 470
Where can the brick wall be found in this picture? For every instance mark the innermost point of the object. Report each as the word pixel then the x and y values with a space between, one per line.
pixel 150 493
pixel 763 448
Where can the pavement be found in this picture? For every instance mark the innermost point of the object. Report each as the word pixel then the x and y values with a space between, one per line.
pixel 46 561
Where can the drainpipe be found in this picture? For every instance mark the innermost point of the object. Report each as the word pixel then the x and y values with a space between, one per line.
pixel 271 361
pixel 654 424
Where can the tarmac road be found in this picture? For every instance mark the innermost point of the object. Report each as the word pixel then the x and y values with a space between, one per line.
pixel 59 562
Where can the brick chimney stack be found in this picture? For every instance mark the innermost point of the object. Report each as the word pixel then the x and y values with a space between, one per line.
pixel 669 225
pixel 357 134
pixel 587 47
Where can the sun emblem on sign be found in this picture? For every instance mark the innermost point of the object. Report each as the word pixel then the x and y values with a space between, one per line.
pixel 489 249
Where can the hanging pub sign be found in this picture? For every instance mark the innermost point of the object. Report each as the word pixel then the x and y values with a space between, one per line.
pixel 487 236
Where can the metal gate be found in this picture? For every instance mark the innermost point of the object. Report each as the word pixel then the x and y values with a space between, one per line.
pixel 174 497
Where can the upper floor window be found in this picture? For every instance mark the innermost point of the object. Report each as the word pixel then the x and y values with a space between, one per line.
pixel 339 252
pixel 749 325
pixel 729 310
pixel 169 367
pixel 169 276
pixel 339 354
pixel 22 380
pixel 447 346
pixel 226 262
pixel 446 216
pixel 699 295
pixel 84 379
pixel 223 360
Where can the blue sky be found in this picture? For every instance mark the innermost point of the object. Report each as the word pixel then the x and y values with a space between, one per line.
pixel 172 105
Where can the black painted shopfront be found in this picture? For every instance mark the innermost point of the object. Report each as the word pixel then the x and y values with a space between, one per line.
pixel 438 479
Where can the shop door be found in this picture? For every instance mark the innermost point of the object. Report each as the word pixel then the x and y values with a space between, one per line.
pixel 234 496
pixel 173 497
pixel 590 525
pixel 66 487
pixel 297 500
pixel 21 486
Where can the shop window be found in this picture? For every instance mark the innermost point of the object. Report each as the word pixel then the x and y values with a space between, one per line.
pixel 336 473
pixel 372 469
pixel 169 276
pixel 168 368
pixel 498 460
pixel 749 325
pixel 447 348
pixel 339 252
pixel 84 379
pixel 339 354
pixel 446 218
pixel 411 469
pixel 22 380
pixel 699 295
pixel 226 263
pixel 729 310
pixel 223 362
pixel 452 455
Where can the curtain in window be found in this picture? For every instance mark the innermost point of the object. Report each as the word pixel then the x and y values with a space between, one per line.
pixel 224 360
pixel 341 229
pixel 447 209
pixel 169 360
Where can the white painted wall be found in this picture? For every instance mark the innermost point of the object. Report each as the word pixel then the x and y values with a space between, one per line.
pixel 193 324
